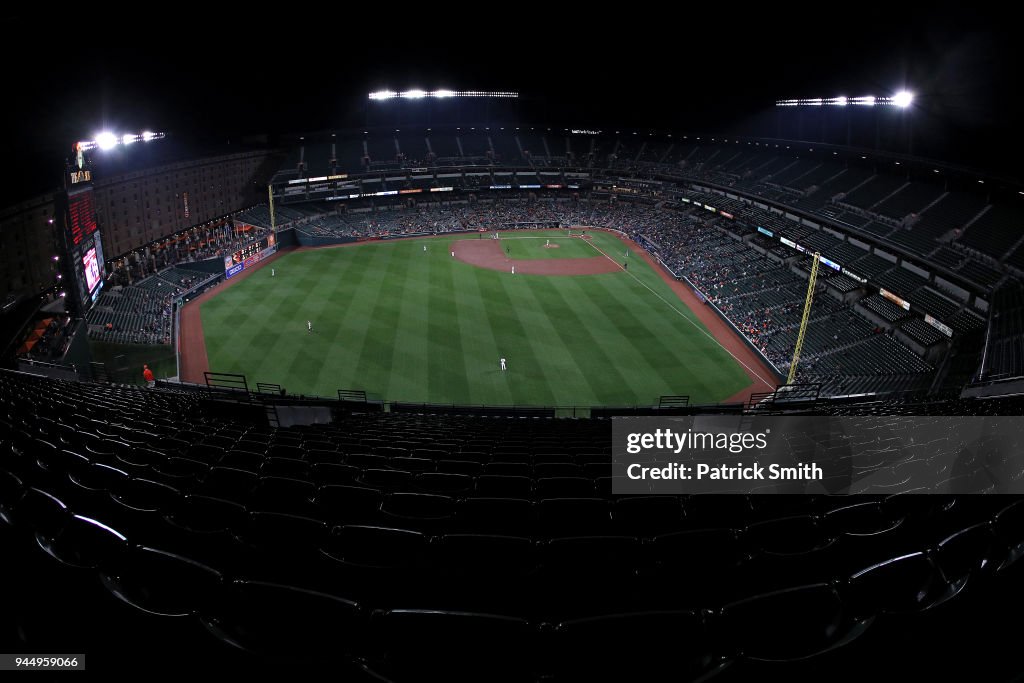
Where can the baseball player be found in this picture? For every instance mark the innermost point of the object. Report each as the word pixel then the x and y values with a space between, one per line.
pixel 503 365
pixel 309 326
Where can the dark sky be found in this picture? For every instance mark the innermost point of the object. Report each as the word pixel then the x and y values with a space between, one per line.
pixel 692 72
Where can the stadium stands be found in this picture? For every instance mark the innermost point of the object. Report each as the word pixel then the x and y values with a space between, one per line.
pixel 492 551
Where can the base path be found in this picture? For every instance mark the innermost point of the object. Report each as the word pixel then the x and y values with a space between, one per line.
pixel 490 255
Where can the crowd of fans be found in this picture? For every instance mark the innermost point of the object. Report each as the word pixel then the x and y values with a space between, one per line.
pixel 205 244
pixel 430 217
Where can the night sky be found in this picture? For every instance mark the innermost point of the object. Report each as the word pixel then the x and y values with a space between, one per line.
pixel 208 84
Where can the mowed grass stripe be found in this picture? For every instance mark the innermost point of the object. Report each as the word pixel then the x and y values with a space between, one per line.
pixel 525 382
pixel 648 356
pixel 377 347
pixel 558 368
pixel 691 364
pixel 481 347
pixel 446 374
pixel 596 365
pixel 407 376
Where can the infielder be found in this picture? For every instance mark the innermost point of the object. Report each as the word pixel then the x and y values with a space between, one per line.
pixel 309 325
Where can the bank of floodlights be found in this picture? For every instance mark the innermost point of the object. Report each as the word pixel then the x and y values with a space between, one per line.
pixel 902 99
pixel 106 140
pixel 438 94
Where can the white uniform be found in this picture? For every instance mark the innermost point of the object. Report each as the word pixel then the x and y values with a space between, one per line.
pixel 309 325
pixel 503 365
pixel 453 254
pixel 424 247
pixel 272 272
pixel 513 270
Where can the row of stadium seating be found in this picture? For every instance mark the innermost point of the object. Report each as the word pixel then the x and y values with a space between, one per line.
pixel 406 593
pixel 142 313
pixel 765 301
pixel 930 214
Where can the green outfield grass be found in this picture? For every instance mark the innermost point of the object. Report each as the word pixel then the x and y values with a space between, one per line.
pixel 404 324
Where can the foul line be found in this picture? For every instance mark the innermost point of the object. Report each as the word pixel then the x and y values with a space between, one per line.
pixel 684 316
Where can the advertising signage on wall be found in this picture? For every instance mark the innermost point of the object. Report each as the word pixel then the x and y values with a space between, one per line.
pixel 249 256
pixel 788 243
pixel 727 215
pixel 854 276
pixel 905 305
pixel 939 326
pixel 831 264
pixel 765 231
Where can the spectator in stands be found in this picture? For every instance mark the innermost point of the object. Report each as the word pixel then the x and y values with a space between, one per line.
pixel 147 374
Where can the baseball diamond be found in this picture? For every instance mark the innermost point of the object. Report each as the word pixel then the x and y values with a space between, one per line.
pixel 404 323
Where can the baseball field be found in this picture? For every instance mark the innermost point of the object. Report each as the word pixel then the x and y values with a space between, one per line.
pixel 582 321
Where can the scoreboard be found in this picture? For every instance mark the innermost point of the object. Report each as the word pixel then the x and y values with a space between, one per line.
pixel 81 215
pixel 84 264
pixel 249 256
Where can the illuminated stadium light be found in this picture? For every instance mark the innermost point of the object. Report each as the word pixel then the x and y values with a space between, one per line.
pixel 442 94
pixel 106 141
pixel 903 99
